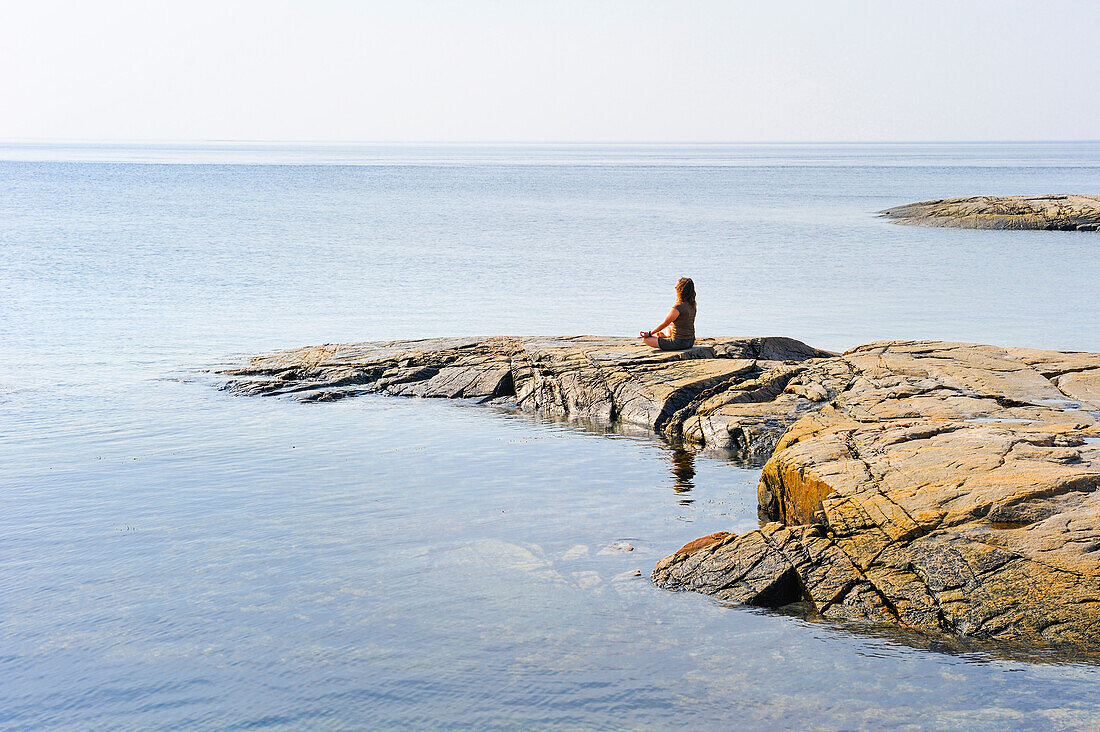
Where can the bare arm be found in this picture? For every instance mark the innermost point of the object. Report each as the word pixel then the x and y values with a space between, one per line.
pixel 672 315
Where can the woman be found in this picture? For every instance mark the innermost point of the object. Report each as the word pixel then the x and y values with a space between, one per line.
pixel 681 318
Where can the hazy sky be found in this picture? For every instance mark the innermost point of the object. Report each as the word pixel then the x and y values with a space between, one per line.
pixel 594 70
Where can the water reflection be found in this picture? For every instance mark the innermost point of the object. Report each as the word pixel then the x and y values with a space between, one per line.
pixel 683 472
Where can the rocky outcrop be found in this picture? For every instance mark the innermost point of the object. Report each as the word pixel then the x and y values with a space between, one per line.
pixel 936 486
pixel 1060 213
pixel 605 379
pixel 939 486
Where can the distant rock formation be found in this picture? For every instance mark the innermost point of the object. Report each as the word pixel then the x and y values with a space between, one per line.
pixel 937 486
pixel 1056 213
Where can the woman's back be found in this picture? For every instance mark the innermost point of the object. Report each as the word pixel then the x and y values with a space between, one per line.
pixel 683 328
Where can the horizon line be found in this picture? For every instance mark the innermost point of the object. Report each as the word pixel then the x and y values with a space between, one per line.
pixel 232 141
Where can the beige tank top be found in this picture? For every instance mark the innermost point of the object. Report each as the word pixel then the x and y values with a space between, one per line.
pixel 683 328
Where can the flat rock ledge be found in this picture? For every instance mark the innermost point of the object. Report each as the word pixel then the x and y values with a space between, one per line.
pixel 1054 213
pixel 705 395
pixel 943 487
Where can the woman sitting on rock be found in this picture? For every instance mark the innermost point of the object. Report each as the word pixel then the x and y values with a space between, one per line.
pixel 681 318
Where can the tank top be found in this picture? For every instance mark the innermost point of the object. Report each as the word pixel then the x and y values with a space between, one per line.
pixel 683 328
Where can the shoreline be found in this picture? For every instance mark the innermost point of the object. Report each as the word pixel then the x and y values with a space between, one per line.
pixel 934 486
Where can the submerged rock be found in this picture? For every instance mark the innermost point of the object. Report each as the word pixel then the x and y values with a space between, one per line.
pixel 618 546
pixel 1061 213
pixel 936 486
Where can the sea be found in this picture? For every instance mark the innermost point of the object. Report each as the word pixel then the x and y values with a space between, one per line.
pixel 173 556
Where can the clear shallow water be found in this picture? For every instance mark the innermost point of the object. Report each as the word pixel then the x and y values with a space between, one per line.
pixel 171 556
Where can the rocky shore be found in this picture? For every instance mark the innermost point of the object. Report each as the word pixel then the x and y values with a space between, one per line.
pixel 1056 213
pixel 936 486
pixel 703 395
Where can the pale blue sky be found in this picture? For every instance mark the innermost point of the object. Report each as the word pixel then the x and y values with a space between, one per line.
pixel 626 70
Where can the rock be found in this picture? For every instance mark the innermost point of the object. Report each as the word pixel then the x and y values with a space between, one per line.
pixel 575 552
pixel 950 487
pixel 587 580
pixel 748 418
pixel 618 546
pixel 627 575
pixel 605 379
pixel 774 566
pixel 1061 212
pixel 937 486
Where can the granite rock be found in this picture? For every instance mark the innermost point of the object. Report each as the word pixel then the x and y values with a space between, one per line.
pixel 604 379
pixel 950 487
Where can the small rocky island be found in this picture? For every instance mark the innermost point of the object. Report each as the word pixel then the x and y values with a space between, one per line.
pixel 945 487
pixel 1055 213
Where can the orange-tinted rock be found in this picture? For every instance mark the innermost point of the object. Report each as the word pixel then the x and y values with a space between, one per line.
pixel 703 542
pixel 961 481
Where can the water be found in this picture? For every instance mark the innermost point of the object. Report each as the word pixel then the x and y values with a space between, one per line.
pixel 175 557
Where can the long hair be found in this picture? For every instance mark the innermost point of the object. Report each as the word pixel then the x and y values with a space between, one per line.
pixel 685 290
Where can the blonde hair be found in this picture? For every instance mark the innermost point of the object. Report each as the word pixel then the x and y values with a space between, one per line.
pixel 685 290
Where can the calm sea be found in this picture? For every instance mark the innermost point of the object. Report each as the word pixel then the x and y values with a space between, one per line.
pixel 174 557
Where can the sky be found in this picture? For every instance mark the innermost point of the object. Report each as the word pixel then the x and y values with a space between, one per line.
pixel 591 71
